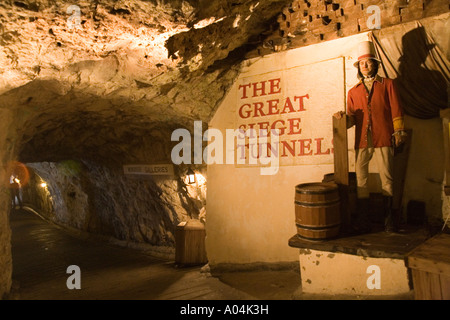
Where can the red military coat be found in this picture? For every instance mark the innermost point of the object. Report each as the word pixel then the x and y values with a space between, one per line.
pixel 380 111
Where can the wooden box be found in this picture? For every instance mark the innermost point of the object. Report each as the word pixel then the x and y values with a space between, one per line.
pixel 190 243
pixel 430 267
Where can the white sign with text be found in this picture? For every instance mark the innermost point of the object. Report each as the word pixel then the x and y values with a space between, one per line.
pixel 149 170
pixel 299 102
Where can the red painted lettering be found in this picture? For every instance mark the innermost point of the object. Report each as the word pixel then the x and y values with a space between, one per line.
pixel 288 105
pixel 286 145
pixel 319 147
pixel 251 132
pixel 265 127
pixel 305 144
pixel 294 123
pixel 274 86
pixel 301 106
pixel 262 89
pixel 244 92
pixel 274 126
pixel 273 107
pixel 254 150
pixel 244 114
pixel 240 148
pixel 258 109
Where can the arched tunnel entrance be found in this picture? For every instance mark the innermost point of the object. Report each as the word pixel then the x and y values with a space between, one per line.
pixel 105 201
pixel 99 201
pixel 81 155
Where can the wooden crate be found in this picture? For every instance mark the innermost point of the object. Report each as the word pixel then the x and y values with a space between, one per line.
pixel 190 243
pixel 430 267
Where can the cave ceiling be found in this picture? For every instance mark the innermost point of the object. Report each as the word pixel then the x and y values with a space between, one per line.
pixel 106 78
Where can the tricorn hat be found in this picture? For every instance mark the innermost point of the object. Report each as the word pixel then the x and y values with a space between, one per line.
pixel 366 49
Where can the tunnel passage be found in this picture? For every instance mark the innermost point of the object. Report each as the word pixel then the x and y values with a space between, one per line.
pixel 92 193
pixel 78 143
pixel 103 201
pixel 75 161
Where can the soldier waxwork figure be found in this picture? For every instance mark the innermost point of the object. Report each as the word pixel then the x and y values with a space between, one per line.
pixel 373 106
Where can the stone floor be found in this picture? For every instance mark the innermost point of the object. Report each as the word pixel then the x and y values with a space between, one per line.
pixel 42 252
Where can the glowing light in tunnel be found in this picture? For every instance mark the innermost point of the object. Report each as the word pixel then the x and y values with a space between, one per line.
pixel 17 172
pixel 43 185
pixel 200 179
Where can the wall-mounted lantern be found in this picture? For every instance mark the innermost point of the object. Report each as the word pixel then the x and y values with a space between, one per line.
pixel 191 176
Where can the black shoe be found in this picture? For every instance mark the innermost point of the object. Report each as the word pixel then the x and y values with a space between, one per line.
pixel 361 222
pixel 389 225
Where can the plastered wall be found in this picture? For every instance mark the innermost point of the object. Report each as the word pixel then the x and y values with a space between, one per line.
pixel 250 217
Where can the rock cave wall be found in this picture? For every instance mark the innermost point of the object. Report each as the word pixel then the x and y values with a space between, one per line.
pixel 6 156
pixel 37 196
pixel 103 201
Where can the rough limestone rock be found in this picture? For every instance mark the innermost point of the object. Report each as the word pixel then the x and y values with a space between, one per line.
pixel 105 83
pixel 120 70
pixel 103 201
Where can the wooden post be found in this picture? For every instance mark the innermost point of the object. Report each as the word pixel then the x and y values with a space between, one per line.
pixel 401 156
pixel 341 176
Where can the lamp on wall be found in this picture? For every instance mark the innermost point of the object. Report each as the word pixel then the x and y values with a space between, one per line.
pixel 191 176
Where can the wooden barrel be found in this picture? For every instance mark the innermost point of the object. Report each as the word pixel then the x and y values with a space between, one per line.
pixel 329 177
pixel 317 210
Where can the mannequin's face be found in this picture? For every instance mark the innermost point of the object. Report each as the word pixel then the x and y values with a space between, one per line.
pixel 366 66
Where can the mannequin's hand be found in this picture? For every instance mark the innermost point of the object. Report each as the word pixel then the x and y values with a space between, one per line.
pixel 339 115
pixel 400 138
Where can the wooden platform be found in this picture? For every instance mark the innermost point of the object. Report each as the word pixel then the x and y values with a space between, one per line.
pixel 343 265
pixel 376 245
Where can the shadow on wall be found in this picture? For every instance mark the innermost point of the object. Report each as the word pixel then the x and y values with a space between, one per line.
pixel 422 88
